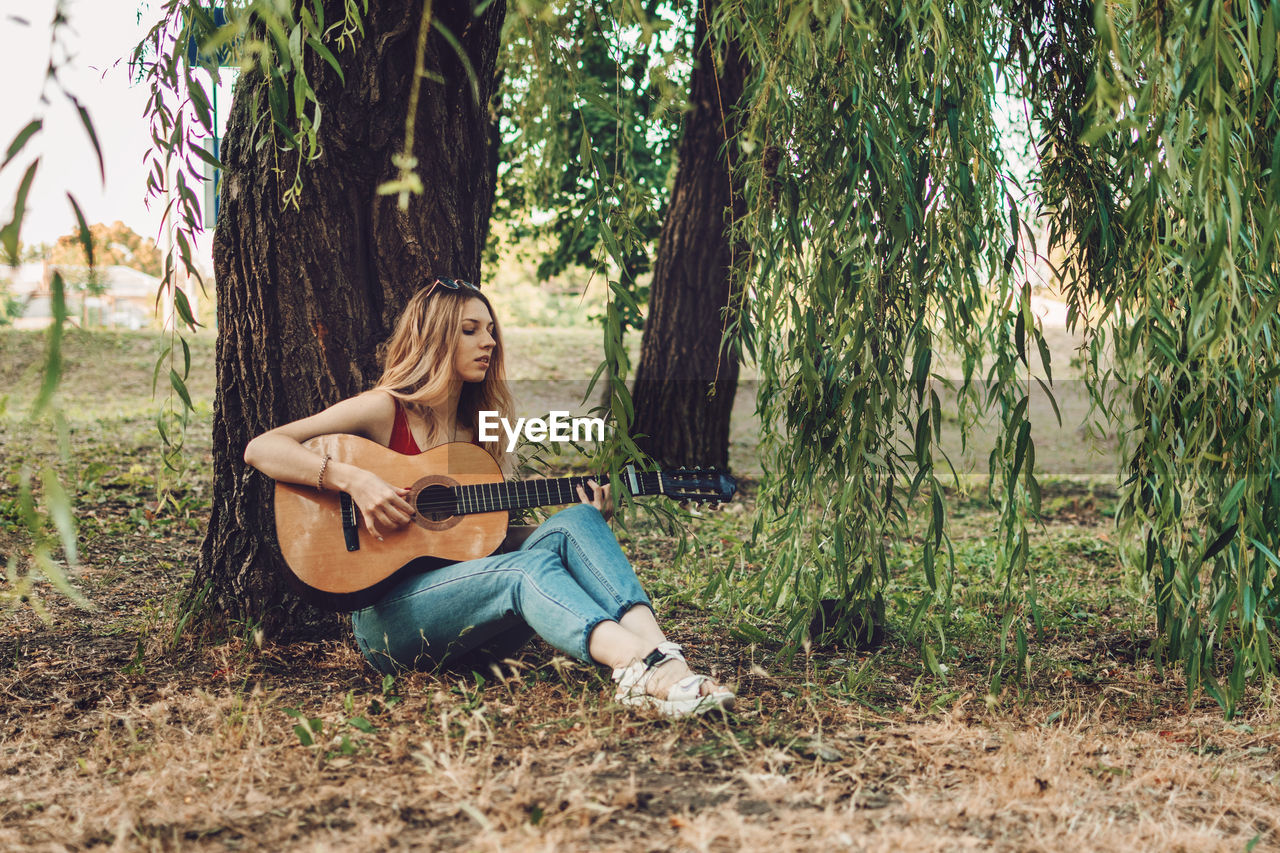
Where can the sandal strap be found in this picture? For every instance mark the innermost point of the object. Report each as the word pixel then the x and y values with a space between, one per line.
pixel 636 675
pixel 674 650
pixel 655 657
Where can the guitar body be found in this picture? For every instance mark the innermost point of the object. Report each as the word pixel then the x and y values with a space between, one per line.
pixel 462 514
pixel 315 544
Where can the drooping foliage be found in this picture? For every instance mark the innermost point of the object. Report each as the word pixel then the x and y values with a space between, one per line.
pixel 288 45
pixel 884 231
pixel 590 112
pixel 1161 176
pixel 42 507
pixel 573 134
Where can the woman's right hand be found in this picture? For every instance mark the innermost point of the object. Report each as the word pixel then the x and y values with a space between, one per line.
pixel 279 454
pixel 385 507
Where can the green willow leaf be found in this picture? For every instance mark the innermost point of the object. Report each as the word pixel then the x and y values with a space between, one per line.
pixel 20 141
pixel 83 234
pixel 59 504
pixel 52 373
pixel 326 54
pixel 9 235
pixel 87 123
pixel 181 388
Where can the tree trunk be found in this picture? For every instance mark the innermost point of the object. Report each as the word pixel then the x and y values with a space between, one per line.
pixel 306 294
pixel 685 381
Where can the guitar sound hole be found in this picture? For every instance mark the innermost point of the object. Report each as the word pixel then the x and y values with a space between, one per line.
pixel 436 503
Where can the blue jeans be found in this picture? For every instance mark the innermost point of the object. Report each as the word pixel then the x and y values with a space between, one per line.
pixel 569 576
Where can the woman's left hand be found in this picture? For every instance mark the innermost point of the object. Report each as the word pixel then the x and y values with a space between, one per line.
pixel 600 498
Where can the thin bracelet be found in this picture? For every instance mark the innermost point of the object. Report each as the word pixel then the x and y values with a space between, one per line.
pixel 320 480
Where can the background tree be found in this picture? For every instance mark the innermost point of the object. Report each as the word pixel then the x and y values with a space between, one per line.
pixel 604 119
pixel 610 86
pixel 22 253
pixel 114 244
pixel 687 377
pixel 313 264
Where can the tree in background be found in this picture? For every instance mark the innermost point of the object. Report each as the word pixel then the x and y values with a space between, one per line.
pixel 599 111
pixel 576 82
pixel 22 253
pixel 313 261
pixel 114 244
pixel 688 372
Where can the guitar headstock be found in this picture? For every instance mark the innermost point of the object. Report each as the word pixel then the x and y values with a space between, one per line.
pixel 700 485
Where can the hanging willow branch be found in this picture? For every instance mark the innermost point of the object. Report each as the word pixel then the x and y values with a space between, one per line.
pixel 1165 177
pixel 880 237
pixel 881 231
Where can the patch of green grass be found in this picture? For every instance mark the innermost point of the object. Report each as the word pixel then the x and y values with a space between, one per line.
pixel 106 376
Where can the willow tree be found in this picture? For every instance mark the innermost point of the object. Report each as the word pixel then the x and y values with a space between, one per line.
pixel 1162 180
pixel 884 230
pixel 888 231
pixel 623 123
pixel 576 80
pixel 687 375
pixel 347 113
pixel 878 220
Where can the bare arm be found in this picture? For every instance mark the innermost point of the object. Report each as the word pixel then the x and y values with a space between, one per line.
pixel 279 454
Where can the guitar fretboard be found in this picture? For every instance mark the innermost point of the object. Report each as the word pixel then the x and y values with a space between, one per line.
pixel 492 497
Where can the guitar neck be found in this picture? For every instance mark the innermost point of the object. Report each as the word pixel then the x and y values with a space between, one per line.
pixel 492 497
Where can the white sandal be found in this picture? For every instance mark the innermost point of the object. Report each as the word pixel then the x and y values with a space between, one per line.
pixel 684 698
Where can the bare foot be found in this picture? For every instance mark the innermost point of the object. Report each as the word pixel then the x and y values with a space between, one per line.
pixel 666 674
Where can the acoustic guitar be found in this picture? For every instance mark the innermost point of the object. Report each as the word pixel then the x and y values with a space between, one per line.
pixel 462 504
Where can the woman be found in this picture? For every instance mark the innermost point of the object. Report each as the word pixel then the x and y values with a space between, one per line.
pixel 567 580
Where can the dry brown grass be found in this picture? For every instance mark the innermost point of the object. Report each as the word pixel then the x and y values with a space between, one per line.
pixel 198 752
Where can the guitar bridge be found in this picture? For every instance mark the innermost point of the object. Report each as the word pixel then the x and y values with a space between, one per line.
pixel 350 522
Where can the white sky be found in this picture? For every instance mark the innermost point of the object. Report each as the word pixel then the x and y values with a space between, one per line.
pixel 99 38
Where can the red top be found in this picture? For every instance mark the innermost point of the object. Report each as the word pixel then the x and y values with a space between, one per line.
pixel 402 440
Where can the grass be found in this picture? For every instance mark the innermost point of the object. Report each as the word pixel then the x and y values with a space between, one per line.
pixel 117 735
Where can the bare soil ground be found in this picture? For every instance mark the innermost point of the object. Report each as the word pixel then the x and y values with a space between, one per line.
pixel 118 731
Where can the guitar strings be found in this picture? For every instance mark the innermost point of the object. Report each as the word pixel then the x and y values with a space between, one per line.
pixel 513 495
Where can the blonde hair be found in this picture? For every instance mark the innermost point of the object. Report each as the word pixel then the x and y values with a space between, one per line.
pixel 418 363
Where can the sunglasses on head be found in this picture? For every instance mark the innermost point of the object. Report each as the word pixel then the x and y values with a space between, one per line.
pixel 450 284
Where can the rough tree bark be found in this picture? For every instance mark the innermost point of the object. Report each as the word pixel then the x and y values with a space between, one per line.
pixel 685 382
pixel 306 295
